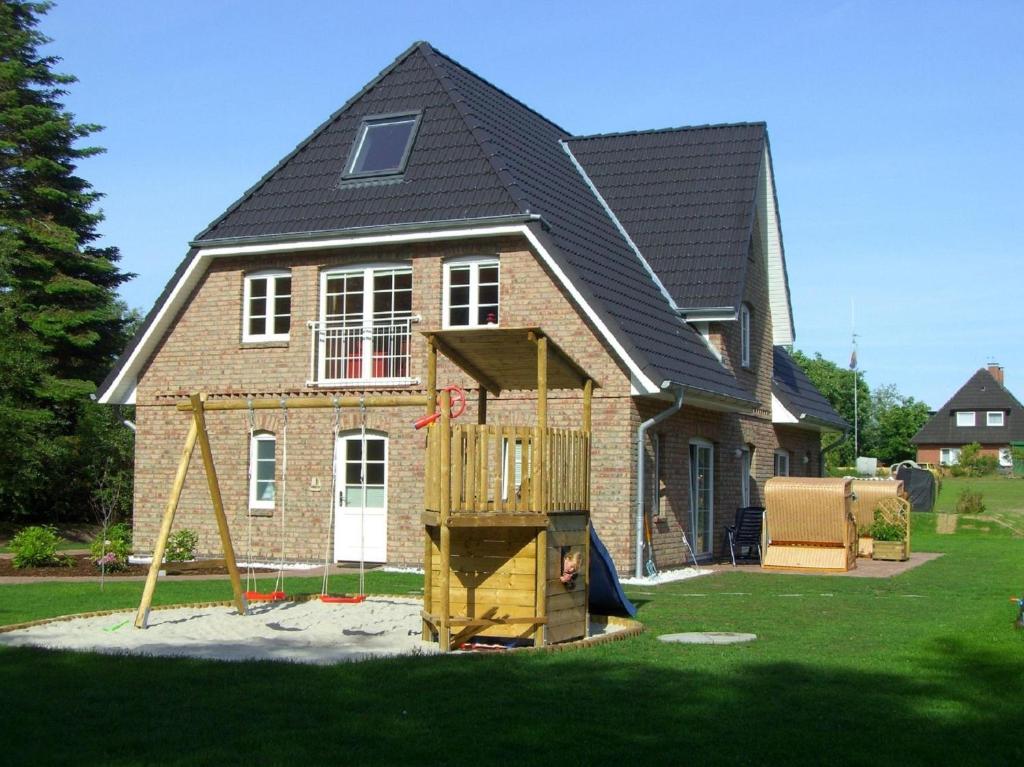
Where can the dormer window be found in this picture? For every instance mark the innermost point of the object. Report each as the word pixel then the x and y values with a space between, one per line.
pixel 744 335
pixel 994 418
pixel 965 418
pixel 382 146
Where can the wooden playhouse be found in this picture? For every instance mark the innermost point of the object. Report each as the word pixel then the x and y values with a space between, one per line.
pixel 809 524
pixel 507 507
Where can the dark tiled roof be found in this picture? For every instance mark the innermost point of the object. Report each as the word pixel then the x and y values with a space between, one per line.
pixel 981 393
pixel 479 152
pixel 686 198
pixel 796 392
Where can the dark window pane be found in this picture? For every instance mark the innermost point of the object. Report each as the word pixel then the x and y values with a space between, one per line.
pixel 257 326
pixel 354 305
pixel 375 474
pixel 488 294
pixel 354 284
pixel 375 450
pixel 459 316
pixel 382 147
pixel 352 474
pixel 283 305
pixel 460 276
pixel 487 315
pixel 403 301
pixel 282 324
pixel 265 449
pixel 258 288
pixel 333 306
pixel 383 302
pixel 284 286
pixel 459 297
pixel 403 281
pixel 354 451
pixel 488 274
pixel 383 281
pixel 258 307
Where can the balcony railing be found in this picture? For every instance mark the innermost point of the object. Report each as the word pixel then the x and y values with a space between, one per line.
pixel 349 354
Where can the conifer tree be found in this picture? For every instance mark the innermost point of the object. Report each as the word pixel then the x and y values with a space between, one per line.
pixel 60 320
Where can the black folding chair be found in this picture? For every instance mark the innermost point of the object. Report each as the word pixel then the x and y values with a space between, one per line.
pixel 746 533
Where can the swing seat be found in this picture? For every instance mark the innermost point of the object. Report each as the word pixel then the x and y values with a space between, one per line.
pixel 342 600
pixel 268 596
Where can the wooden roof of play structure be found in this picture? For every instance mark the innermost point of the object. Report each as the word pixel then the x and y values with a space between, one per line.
pixel 501 359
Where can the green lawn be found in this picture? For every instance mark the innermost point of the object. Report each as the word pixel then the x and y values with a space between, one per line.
pixel 1001 494
pixel 924 668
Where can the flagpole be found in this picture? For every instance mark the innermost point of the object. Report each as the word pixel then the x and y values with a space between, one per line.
pixel 853 366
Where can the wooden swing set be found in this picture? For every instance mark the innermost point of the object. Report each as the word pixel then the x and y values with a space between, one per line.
pixel 506 515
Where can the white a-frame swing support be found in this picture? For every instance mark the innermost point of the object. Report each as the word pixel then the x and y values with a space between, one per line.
pixel 199 406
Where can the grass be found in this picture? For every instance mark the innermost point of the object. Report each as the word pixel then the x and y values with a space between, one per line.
pixel 923 668
pixel 1002 494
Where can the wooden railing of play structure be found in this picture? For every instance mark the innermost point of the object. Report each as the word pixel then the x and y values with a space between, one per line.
pixel 497 468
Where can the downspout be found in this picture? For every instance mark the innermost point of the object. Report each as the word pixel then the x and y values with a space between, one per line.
pixel 829 448
pixel 641 433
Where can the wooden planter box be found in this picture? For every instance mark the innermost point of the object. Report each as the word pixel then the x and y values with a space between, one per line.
pixel 890 550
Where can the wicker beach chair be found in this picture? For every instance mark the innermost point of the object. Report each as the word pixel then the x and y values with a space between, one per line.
pixel 745 533
pixel 809 524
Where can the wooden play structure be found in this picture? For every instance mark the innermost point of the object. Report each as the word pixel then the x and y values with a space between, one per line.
pixel 893 510
pixel 866 495
pixel 809 524
pixel 506 543
pixel 506 517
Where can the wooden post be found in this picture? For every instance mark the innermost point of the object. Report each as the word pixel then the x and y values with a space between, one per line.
pixel 199 418
pixel 481 406
pixel 444 633
pixel 431 375
pixel 142 616
pixel 540 485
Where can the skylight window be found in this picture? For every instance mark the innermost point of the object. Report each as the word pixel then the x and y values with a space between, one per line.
pixel 382 146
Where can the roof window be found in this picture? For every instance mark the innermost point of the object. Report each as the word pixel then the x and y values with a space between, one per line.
pixel 382 146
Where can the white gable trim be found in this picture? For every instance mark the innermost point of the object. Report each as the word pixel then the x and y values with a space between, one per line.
pixel 783 333
pixel 122 389
pixel 781 414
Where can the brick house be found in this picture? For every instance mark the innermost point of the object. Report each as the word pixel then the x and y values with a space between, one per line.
pixel 433 201
pixel 984 411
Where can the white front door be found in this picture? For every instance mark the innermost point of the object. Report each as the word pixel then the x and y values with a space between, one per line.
pixel 361 531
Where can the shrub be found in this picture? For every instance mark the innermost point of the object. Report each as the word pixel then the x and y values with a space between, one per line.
pixel 973 463
pixel 37 547
pixel 111 551
pixel 182 546
pixel 970 502
pixel 883 530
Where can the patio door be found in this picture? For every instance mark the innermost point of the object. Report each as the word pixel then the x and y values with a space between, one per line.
pixel 702 496
pixel 361 510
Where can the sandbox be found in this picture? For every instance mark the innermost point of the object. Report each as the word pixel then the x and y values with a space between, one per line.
pixel 297 632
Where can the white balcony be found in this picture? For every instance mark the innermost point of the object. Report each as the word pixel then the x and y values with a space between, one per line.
pixel 352 354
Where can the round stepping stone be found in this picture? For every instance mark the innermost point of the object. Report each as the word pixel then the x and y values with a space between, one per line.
pixel 707 637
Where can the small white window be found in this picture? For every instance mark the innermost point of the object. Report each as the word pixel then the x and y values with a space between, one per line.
pixel 949 456
pixel 965 418
pixel 262 468
pixel 744 335
pixel 471 289
pixel 267 306
pixel 994 418
pixel 781 463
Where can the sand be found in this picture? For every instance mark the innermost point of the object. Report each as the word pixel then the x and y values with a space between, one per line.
pixel 306 632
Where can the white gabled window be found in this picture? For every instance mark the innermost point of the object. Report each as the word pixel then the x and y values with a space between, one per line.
pixel 965 418
pixel 267 306
pixel 470 297
pixel 262 468
pixel 949 456
pixel 994 418
pixel 744 335
pixel 781 463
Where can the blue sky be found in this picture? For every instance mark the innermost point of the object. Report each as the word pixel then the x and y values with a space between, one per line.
pixel 895 130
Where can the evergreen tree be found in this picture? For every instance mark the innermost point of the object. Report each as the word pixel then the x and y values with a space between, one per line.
pixel 60 321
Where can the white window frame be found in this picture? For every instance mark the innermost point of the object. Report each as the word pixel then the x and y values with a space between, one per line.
pixel 474 263
pixel 703 443
pixel 781 460
pixel 745 335
pixel 657 476
pixel 1006 457
pixel 367 320
pixel 949 456
pixel 962 418
pixel 270 275
pixel 746 474
pixel 255 502
pixel 1000 418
